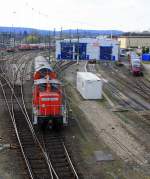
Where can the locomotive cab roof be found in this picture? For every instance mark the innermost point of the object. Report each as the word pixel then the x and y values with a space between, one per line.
pixel 40 67
pixel 41 81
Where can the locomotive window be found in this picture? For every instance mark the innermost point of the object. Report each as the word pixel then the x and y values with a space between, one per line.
pixel 42 87
pixel 136 64
pixel 54 87
pixel 49 99
pixel 44 72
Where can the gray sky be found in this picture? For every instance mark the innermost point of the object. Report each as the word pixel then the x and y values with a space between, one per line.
pixel 127 15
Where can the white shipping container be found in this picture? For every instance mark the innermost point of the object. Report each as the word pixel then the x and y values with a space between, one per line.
pixel 89 85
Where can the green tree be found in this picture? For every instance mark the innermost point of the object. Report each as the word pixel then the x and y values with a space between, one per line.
pixel 145 50
pixel 32 39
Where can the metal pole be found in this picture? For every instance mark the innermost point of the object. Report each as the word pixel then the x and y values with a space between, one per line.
pixel 111 34
pixel 14 38
pixel 78 47
pixel 73 50
pixel 60 41
pixel 61 33
pixel 54 43
pixel 54 34
pixel 129 41
pixel 14 12
pixel 70 35
pixel 3 42
pixel 49 51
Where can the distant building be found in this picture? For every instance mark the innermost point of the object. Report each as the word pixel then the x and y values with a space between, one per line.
pixel 134 41
pixel 87 49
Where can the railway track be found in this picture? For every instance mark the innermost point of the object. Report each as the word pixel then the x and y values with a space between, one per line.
pixel 125 102
pixel 136 84
pixel 37 156
pixel 143 85
pixel 121 97
pixel 32 152
pixel 62 65
pixel 112 138
pixel 54 144
pixel 66 65
pixel 119 144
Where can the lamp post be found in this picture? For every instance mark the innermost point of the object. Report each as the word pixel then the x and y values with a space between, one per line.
pixel 14 40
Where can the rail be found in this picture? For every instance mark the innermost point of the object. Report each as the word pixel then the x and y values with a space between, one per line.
pixel 29 124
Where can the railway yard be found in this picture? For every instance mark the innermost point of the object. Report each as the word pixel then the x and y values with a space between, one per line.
pixel 104 139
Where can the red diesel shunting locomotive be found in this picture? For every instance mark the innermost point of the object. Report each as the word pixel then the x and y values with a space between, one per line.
pixel 49 106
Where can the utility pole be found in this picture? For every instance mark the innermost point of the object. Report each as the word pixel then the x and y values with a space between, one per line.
pixel 54 35
pixel 77 47
pixel 49 51
pixel 72 45
pixel 14 41
pixel 3 41
pixel 14 38
pixel 70 35
pixel 61 33
pixel 129 40
pixel 60 42
pixel 54 44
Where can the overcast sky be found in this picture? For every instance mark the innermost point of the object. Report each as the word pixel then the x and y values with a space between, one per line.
pixel 127 15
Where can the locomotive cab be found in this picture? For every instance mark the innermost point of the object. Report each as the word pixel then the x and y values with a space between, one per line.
pixel 50 108
pixel 136 67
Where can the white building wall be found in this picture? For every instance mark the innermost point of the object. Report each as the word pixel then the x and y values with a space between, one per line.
pixel 115 51
pixel 93 49
pixel 93 46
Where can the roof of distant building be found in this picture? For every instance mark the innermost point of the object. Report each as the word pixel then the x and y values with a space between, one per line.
pixel 136 35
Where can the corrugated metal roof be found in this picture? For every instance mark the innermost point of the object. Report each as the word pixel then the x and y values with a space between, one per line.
pixel 134 36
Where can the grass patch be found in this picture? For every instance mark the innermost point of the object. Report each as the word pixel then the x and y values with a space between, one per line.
pixel 146 62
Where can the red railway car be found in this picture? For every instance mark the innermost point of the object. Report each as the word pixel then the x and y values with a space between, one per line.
pixel 24 47
pixel 11 49
pixel 135 64
pixel 49 108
